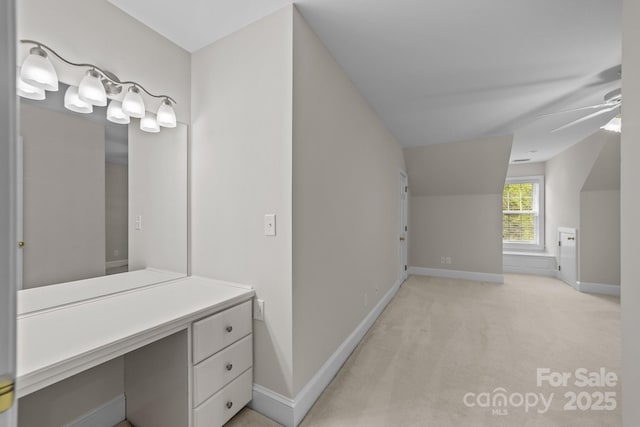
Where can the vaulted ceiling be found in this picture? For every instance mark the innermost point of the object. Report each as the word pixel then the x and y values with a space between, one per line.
pixel 441 71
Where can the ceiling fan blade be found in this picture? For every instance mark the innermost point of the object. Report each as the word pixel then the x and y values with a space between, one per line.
pixel 589 107
pixel 587 117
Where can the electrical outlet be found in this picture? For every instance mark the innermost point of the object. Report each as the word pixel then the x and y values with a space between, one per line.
pixel 138 222
pixel 116 252
pixel 258 309
pixel 448 260
pixel 270 225
pixel 442 260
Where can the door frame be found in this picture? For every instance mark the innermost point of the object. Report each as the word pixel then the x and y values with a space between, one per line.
pixel 8 137
pixel 403 246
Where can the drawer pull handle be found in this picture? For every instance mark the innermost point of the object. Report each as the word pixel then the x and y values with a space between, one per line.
pixel 229 405
pixel 229 328
pixel 229 366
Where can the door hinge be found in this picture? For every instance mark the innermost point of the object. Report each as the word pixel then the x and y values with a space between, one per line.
pixel 405 228
pixel 559 268
pixel 406 188
pixel 405 267
pixel 6 395
pixel 559 243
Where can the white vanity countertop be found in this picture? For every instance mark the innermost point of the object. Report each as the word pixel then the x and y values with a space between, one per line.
pixel 48 297
pixel 58 343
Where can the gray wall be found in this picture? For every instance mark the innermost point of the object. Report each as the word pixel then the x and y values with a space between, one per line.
pixel 565 176
pixel 67 400
pixel 600 219
pixel 630 206
pixel 600 237
pixel 455 205
pixel 346 172
pixel 241 170
pixel 64 197
pixel 116 211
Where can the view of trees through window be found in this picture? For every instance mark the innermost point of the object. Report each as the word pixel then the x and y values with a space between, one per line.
pixel 519 211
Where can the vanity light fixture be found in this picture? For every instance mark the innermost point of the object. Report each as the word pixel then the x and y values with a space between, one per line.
pixel 38 71
pixel 149 123
pixel 133 104
pixel 166 115
pixel 91 89
pixel 97 87
pixel 73 102
pixel 115 113
pixel 26 90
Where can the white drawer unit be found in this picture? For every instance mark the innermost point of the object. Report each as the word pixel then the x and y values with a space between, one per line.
pixel 222 374
pixel 216 332
pixel 186 344
pixel 213 373
pixel 223 405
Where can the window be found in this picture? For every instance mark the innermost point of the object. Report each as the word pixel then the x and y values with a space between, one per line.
pixel 523 213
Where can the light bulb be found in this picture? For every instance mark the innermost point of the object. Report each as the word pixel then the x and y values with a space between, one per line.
pixel 149 123
pixel 74 103
pixel 91 89
pixel 25 90
pixel 115 113
pixel 38 71
pixel 133 104
pixel 166 115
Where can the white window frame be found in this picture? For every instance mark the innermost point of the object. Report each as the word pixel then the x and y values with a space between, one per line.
pixel 539 245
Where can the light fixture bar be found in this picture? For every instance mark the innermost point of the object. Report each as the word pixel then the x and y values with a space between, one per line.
pixel 105 74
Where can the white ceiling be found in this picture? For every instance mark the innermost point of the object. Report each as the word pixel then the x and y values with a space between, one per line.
pixel 445 70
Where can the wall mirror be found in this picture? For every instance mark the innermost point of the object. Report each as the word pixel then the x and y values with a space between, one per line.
pixel 98 199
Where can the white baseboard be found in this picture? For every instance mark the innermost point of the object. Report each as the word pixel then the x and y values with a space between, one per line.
pixel 107 415
pixel 457 274
pixel 599 288
pixel 290 412
pixel 118 263
pixel 273 405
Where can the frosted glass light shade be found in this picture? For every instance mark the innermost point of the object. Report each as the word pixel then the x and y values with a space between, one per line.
pixel 91 89
pixel 115 113
pixel 38 71
pixel 25 90
pixel 614 125
pixel 149 123
pixel 74 103
pixel 166 115
pixel 133 104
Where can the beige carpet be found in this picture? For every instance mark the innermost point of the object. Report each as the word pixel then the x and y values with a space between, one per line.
pixel 440 339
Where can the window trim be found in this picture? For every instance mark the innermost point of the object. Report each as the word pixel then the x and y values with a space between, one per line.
pixel 540 245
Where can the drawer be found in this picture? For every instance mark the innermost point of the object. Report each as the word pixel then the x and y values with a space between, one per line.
pixel 223 405
pixel 216 332
pixel 213 373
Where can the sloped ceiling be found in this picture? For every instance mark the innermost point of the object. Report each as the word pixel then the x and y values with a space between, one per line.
pixel 441 71
pixel 464 167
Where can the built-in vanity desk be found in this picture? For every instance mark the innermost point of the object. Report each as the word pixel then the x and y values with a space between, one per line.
pixel 187 343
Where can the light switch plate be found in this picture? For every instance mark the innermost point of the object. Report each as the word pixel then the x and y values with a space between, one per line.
pixel 270 225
